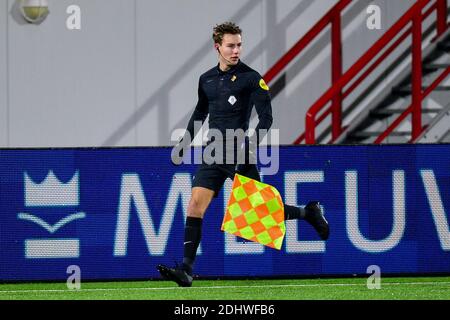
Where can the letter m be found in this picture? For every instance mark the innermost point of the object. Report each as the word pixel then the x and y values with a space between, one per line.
pixel 131 192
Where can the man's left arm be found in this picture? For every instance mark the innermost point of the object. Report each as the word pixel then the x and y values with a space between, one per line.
pixel 261 99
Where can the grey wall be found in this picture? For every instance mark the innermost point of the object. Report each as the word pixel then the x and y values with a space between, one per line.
pixel 129 76
pixel 70 88
pixel 3 76
pixel 173 48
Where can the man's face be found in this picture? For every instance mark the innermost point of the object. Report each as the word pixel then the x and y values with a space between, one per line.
pixel 230 49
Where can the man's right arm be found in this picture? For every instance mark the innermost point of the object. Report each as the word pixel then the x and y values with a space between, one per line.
pixel 200 113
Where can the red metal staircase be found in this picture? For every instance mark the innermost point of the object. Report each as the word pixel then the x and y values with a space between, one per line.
pixel 344 83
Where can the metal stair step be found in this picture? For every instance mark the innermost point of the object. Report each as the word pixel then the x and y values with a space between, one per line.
pixel 441 88
pixel 370 134
pixel 388 112
pixel 444 46
pixel 436 66
pixel 405 91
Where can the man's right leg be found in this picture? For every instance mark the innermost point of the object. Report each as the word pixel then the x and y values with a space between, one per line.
pixel 200 200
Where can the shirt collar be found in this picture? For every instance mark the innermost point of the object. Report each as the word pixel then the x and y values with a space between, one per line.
pixel 229 71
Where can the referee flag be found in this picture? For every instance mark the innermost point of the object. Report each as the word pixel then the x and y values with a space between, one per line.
pixel 255 212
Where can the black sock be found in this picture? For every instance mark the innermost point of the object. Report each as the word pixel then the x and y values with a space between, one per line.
pixel 291 212
pixel 192 236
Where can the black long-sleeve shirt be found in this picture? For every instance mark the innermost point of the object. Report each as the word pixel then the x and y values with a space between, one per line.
pixel 228 97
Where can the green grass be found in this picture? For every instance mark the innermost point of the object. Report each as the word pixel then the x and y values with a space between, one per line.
pixel 419 288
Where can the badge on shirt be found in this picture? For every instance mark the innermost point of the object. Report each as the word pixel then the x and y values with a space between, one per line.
pixel 263 84
pixel 233 78
pixel 232 100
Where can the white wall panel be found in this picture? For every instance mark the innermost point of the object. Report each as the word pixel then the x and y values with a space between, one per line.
pixel 130 75
pixel 72 87
pixel 3 74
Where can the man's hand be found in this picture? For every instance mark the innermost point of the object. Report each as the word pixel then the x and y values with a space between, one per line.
pixel 243 169
pixel 247 157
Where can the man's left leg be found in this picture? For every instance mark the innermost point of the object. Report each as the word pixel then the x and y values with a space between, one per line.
pixel 311 213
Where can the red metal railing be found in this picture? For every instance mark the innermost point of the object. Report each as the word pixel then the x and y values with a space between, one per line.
pixel 332 16
pixel 335 94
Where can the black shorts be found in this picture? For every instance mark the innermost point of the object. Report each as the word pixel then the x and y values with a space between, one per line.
pixel 213 176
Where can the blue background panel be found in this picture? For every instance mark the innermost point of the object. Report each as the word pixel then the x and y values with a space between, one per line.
pixel 134 202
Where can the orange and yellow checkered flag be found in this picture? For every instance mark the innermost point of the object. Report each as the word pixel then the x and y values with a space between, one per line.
pixel 255 212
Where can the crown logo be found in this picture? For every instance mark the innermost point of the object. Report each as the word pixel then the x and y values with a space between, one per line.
pixel 52 192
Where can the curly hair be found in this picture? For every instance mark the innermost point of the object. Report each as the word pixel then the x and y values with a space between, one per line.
pixel 225 28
